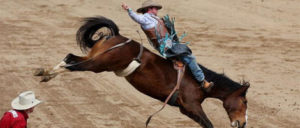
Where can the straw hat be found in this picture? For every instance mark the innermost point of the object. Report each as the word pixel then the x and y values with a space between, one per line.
pixel 147 4
pixel 25 101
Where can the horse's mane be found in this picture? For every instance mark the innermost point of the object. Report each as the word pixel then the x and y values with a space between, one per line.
pixel 222 81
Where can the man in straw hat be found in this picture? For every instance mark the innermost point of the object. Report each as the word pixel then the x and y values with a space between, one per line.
pixel 162 36
pixel 22 106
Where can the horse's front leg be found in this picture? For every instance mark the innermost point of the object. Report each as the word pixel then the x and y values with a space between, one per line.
pixel 48 74
pixel 191 106
pixel 197 114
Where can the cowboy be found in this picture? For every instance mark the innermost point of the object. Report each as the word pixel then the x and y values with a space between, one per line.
pixel 22 106
pixel 164 40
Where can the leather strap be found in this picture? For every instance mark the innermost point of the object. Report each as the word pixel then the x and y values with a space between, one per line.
pixel 129 69
pixel 180 72
pixel 138 58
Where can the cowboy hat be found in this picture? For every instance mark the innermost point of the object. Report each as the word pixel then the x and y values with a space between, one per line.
pixel 25 101
pixel 147 4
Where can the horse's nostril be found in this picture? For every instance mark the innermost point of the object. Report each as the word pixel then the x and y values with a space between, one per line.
pixel 243 126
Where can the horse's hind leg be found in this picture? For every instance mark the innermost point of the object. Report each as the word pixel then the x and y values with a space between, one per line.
pixel 47 75
pixel 60 68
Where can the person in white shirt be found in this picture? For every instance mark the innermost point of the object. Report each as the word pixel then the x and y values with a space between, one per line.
pixel 163 40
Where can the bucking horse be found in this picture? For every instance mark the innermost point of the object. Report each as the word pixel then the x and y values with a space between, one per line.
pixel 150 73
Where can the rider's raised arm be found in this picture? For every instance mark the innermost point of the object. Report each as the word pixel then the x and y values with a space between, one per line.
pixel 141 19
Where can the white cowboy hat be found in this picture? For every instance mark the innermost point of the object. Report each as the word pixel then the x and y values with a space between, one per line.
pixel 147 4
pixel 25 101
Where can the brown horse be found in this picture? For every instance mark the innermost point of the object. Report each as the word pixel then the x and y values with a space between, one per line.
pixel 155 75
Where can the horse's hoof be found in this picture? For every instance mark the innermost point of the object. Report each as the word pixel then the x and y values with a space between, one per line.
pixel 46 78
pixel 39 72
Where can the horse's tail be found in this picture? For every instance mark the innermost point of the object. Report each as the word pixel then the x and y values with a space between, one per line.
pixel 88 34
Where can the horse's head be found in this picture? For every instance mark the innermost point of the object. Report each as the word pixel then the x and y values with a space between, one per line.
pixel 236 106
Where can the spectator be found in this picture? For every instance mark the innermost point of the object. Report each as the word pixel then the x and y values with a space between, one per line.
pixel 21 107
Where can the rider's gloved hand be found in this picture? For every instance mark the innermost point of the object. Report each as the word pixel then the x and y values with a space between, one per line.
pixel 125 7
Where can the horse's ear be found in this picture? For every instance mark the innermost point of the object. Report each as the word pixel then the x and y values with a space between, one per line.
pixel 241 91
pixel 246 84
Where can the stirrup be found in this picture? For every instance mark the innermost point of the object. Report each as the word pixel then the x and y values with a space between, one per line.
pixel 178 64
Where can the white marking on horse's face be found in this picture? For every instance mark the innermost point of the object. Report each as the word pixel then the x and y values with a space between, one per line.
pixel 246 116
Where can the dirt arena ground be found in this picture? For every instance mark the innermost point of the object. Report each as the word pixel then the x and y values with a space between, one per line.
pixel 258 40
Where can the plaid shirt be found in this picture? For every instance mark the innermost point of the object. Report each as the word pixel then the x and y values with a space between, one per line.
pixel 145 20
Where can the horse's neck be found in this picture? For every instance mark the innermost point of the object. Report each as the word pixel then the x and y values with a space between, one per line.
pixel 223 85
pixel 218 93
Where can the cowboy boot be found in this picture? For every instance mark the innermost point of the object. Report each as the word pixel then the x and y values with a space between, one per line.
pixel 207 86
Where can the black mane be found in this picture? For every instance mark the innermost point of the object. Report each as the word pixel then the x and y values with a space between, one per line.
pixel 221 81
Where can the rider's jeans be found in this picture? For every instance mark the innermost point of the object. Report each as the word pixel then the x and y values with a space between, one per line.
pixel 190 60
